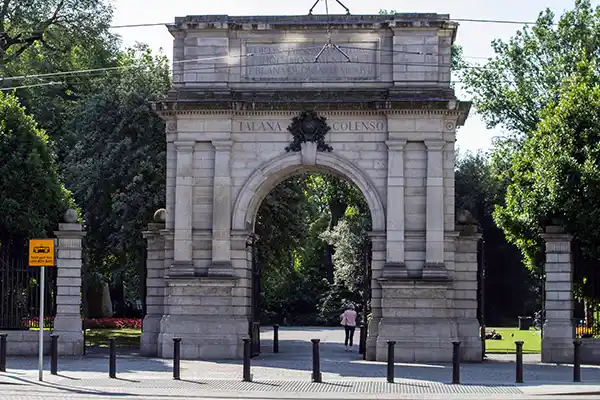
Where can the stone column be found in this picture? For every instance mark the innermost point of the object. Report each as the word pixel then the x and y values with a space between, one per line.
pixel 378 251
pixel 221 225
pixel 184 183
pixel 557 341
pixel 465 287
pixel 395 267
pixel 155 286
pixel 434 246
pixel 67 322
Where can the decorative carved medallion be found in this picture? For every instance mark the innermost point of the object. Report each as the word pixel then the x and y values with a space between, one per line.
pixel 309 127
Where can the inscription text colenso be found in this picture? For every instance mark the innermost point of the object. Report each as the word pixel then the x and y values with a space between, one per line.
pixel 273 62
pixel 336 126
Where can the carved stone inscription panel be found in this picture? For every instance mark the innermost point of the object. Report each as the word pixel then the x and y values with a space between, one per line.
pixel 273 61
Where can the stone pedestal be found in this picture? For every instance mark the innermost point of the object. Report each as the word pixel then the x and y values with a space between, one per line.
pixel 155 289
pixel 557 341
pixel 67 322
pixel 465 290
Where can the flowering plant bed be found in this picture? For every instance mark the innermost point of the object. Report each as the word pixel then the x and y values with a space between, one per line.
pixel 113 323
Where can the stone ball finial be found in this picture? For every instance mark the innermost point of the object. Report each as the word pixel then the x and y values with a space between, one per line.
pixel 70 216
pixel 465 217
pixel 160 215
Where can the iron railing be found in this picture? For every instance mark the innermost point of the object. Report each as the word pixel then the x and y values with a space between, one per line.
pixel 20 289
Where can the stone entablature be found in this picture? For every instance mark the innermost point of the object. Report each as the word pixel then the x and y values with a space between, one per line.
pixel 233 52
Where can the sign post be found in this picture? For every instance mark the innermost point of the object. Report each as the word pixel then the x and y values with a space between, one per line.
pixel 41 254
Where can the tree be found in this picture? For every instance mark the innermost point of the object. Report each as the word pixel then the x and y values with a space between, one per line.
pixel 556 177
pixel 40 40
pixel 117 168
pixel 526 73
pixel 33 198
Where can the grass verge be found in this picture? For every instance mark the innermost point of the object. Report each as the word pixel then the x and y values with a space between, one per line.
pixel 532 341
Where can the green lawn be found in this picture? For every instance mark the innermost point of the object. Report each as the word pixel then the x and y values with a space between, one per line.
pixel 123 337
pixel 532 341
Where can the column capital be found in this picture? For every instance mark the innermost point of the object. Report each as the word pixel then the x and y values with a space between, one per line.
pixel 395 144
pixel 222 145
pixel 435 145
pixel 184 146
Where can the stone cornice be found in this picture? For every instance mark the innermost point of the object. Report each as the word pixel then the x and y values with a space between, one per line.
pixel 424 21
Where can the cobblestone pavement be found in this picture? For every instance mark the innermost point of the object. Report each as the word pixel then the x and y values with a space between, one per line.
pixel 287 375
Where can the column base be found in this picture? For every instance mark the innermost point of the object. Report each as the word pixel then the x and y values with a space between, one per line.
pixel 203 337
pixel 70 344
pixel 558 351
pixel 419 340
pixel 435 271
pixel 149 339
pixel 398 271
pixel 221 268
pixel 181 269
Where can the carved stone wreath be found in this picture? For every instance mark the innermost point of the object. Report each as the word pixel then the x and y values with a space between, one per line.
pixel 309 127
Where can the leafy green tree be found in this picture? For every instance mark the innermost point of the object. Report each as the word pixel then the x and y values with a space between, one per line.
pixel 556 177
pixel 40 38
pixel 117 168
pixel 33 198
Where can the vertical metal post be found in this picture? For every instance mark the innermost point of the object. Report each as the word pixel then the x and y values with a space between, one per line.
pixel 112 359
pixel 54 355
pixel 275 338
pixel 41 324
pixel 577 361
pixel 316 372
pixel 361 343
pixel 519 372
pixel 456 362
pixel 176 358
pixel 390 361
pixel 247 356
pixel 3 351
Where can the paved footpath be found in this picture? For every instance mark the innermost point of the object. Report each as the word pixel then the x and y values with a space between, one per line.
pixel 286 375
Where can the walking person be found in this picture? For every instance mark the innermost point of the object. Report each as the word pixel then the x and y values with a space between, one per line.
pixel 349 323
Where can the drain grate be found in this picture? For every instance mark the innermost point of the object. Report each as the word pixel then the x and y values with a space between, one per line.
pixel 304 386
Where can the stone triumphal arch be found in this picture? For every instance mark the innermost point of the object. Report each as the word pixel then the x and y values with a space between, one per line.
pixel 251 107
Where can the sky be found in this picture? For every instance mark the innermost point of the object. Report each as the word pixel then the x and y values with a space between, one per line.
pixel 475 38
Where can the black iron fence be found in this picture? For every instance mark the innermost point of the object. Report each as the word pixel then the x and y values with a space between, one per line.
pixel 20 288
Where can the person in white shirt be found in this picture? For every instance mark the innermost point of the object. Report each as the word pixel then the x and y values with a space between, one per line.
pixel 349 324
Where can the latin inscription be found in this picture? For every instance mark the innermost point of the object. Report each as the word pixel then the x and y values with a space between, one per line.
pixel 275 62
pixel 336 126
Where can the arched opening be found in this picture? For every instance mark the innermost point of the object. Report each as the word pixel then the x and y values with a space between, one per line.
pixel 309 254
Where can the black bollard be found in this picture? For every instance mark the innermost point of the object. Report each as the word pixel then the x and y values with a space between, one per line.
pixel 176 358
pixel 112 359
pixel 3 351
pixel 456 362
pixel 247 356
pixel 316 374
pixel 54 355
pixel 577 361
pixel 519 372
pixel 275 338
pixel 361 340
pixel 390 361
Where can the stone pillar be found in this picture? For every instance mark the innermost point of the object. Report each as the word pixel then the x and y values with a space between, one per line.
pixel 557 341
pixel 221 225
pixel 465 287
pixel 155 286
pixel 67 322
pixel 395 267
pixel 183 264
pixel 378 251
pixel 434 246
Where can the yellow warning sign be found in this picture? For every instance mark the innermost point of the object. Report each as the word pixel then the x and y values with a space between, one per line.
pixel 41 253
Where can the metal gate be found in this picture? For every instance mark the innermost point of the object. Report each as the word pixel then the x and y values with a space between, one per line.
pixel 481 293
pixel 20 288
pixel 254 328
